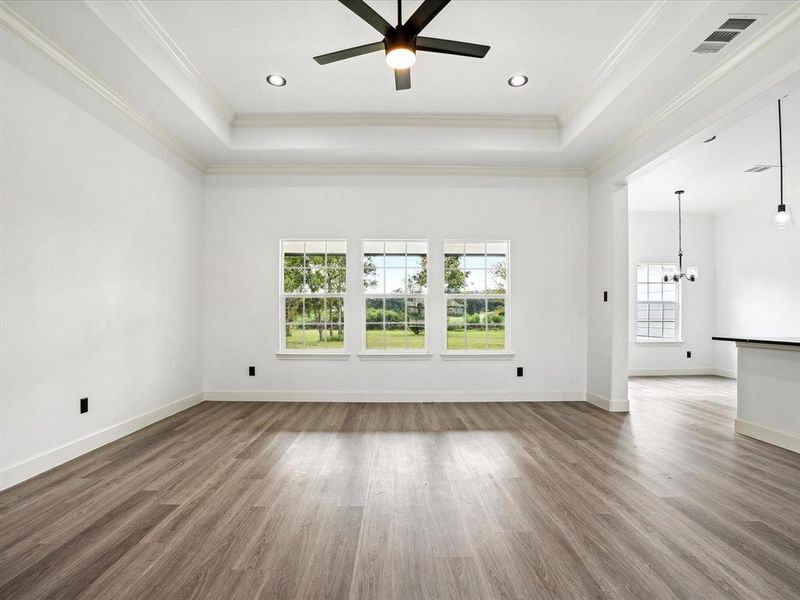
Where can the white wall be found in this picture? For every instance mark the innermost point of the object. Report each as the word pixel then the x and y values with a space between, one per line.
pixel 607 359
pixel 758 275
pixel 101 281
pixel 545 219
pixel 653 238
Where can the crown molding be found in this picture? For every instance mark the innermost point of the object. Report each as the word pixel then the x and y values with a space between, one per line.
pixel 397 120
pixel 620 51
pixel 443 170
pixel 171 47
pixel 787 20
pixel 36 40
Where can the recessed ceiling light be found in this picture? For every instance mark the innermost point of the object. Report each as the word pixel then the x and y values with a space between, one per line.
pixel 276 80
pixel 517 81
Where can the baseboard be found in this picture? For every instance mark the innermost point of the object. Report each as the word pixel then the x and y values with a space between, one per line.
pixel 360 396
pixel 682 372
pixel 770 436
pixel 729 373
pixel 44 461
pixel 611 405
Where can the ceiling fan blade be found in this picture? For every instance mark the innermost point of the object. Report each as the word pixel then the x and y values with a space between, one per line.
pixel 363 10
pixel 324 59
pixel 402 79
pixel 425 14
pixel 451 47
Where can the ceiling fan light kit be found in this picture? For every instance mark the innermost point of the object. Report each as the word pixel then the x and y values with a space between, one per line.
pixel 401 42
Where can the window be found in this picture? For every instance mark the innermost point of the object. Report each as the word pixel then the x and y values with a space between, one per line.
pixel 656 304
pixel 312 299
pixel 476 289
pixel 395 284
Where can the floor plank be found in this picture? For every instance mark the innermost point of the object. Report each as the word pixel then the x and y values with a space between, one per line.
pixel 418 501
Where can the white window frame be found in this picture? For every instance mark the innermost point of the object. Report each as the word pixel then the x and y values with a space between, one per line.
pixel 283 351
pixel 365 294
pixel 647 341
pixel 488 352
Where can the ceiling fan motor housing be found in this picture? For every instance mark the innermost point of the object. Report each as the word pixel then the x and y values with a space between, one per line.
pixel 400 37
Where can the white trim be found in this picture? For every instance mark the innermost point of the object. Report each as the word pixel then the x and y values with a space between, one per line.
pixel 476 355
pixel 729 373
pixel 39 463
pixel 395 169
pixel 397 120
pixel 409 355
pixel 383 396
pixel 785 21
pixel 620 51
pixel 171 47
pixel 781 439
pixel 618 405
pixel 330 355
pixel 672 372
pixel 659 343
pixel 761 346
pixel 36 40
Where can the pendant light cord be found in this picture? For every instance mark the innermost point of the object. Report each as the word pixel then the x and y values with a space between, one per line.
pixel 780 147
pixel 399 12
pixel 680 237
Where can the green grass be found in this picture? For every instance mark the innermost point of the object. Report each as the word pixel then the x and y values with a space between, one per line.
pixel 395 339
pixel 399 339
pixel 476 339
pixel 296 338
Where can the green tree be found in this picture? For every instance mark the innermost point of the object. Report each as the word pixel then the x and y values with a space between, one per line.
pixel 499 273
pixel 311 273
pixel 455 278
pixel 370 274
pixel 417 282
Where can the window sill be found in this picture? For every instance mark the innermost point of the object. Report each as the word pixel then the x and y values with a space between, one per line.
pixel 655 343
pixel 477 355
pixel 395 355
pixel 313 355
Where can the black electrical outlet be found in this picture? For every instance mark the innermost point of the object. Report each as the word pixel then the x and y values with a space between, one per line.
pixel 688 354
pixel 252 371
pixel 84 405
pixel 605 296
pixel 519 371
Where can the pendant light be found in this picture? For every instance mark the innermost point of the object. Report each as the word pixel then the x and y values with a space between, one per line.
pixel 782 219
pixel 691 272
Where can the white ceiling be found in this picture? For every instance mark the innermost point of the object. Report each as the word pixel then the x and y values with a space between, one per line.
pixel 602 75
pixel 713 174
pixel 558 44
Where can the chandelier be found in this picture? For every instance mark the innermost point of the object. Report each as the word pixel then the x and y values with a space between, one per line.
pixel 691 272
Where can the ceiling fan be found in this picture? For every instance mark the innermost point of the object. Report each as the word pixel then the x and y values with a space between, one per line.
pixel 402 41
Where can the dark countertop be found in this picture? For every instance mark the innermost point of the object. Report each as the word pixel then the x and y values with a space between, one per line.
pixel 786 341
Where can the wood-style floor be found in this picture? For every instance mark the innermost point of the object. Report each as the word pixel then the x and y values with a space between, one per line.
pixel 385 501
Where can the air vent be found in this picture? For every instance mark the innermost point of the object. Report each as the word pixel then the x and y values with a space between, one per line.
pixel 709 47
pixel 722 36
pixel 760 168
pixel 738 24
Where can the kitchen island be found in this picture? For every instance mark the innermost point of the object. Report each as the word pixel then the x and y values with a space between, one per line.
pixel 768 384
